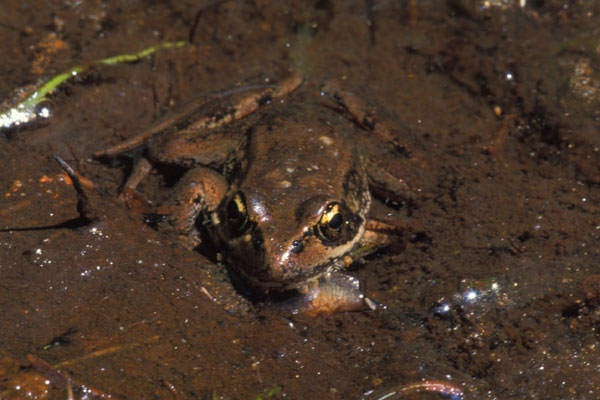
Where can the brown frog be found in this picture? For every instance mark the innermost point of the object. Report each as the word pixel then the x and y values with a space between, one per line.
pixel 284 202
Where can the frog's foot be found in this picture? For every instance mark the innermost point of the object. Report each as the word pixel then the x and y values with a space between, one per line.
pixel 332 293
pixel 378 235
pixel 382 233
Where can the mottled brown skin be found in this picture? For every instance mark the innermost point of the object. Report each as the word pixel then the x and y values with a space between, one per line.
pixel 283 202
pixel 288 172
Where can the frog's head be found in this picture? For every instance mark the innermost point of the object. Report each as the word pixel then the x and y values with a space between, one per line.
pixel 297 206
pixel 278 245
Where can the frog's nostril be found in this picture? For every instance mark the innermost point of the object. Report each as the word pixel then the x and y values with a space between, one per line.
pixel 297 247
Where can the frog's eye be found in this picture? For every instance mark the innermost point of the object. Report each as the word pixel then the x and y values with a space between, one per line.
pixel 330 224
pixel 237 214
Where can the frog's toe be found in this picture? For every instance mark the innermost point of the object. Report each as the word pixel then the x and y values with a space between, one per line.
pixel 332 293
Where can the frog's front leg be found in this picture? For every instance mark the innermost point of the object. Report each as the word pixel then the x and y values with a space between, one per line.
pixel 197 194
pixel 185 149
pixel 332 292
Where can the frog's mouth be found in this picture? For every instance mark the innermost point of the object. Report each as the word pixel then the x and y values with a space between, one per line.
pixel 265 287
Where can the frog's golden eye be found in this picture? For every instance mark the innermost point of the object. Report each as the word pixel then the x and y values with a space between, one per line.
pixel 237 214
pixel 330 224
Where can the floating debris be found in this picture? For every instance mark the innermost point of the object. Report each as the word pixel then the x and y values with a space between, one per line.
pixel 24 106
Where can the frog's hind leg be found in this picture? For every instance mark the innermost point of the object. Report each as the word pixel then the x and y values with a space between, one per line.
pixel 389 187
pixel 382 183
pixel 236 109
pixel 185 139
pixel 356 110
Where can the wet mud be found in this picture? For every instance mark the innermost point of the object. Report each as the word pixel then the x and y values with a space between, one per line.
pixel 494 288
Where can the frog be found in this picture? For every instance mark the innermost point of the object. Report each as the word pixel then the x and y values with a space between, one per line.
pixel 285 201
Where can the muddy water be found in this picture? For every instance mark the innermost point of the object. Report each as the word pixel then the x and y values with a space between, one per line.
pixel 495 288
